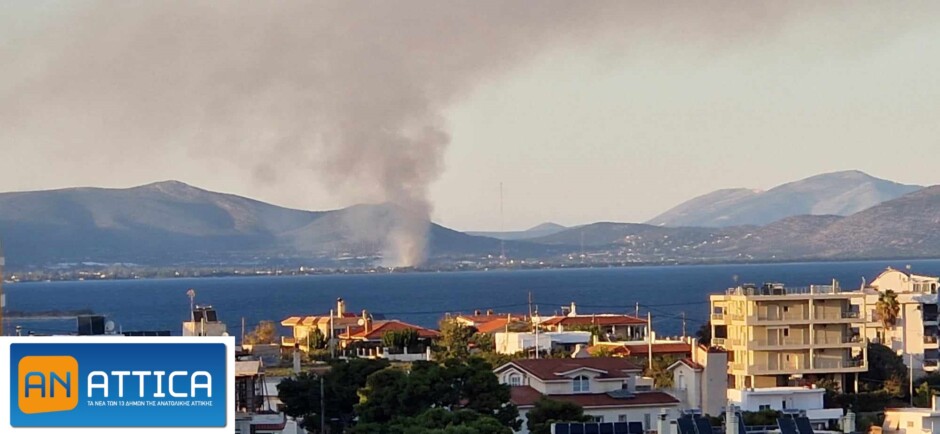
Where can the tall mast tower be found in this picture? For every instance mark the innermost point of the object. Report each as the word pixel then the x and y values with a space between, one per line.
pixel 502 227
pixel 3 298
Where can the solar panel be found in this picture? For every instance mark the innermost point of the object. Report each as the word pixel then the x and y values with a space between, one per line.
pixel 591 428
pixel 742 429
pixel 621 428
pixel 702 426
pixel 803 425
pixel 607 428
pixel 561 428
pixel 786 425
pixel 686 426
pixel 577 428
pixel 635 427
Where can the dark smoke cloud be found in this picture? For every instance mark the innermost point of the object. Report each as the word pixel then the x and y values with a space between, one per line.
pixel 349 94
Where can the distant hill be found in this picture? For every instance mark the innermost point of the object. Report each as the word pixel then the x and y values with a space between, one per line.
pixel 541 230
pixel 838 193
pixel 172 222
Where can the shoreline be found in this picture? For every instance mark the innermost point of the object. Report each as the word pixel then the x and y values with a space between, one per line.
pixel 298 272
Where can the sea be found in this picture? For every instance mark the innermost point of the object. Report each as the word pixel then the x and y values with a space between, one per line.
pixel 676 297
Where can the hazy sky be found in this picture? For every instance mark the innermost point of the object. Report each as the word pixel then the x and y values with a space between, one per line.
pixel 601 111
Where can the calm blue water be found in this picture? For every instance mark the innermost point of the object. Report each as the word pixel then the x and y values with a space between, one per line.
pixel 423 298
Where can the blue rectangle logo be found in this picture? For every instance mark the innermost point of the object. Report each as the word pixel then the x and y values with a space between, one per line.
pixel 118 384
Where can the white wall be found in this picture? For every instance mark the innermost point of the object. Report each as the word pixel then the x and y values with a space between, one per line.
pixel 795 398
pixel 211 329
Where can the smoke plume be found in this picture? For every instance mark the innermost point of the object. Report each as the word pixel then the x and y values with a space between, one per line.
pixel 348 93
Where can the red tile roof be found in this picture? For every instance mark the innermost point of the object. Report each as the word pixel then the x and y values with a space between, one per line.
pixel 379 328
pixel 496 325
pixel 548 369
pixel 479 319
pixel 526 396
pixel 601 320
pixel 688 362
pixel 660 348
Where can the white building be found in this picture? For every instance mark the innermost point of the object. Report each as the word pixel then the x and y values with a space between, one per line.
pixel 204 322
pixel 515 342
pixel 604 386
pixel 700 382
pixel 913 420
pixel 805 399
pixel 915 335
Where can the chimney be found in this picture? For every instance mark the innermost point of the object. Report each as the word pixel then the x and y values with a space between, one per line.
pixel 476 312
pixel 693 344
pixel 489 312
pixel 580 352
pixel 340 307
pixel 574 310
pixel 366 321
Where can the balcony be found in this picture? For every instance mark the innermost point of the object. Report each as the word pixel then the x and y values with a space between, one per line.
pixel 819 364
pixel 778 368
pixel 718 316
pixel 930 340
pixel 789 318
pixel 787 342
pixel 931 364
pixel 852 340
pixel 841 316
pixel 718 342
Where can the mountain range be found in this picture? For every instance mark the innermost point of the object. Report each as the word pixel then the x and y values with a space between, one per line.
pixel 838 193
pixel 175 223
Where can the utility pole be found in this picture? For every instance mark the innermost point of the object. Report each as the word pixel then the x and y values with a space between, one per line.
pixel 910 375
pixel 243 330
pixel 683 325
pixel 649 337
pixel 322 407
pixel 637 314
pixel 530 304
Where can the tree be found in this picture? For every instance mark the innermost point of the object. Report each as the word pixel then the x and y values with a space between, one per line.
pixel 437 421
pixel 886 371
pixel 483 342
pixel 264 333
pixel 547 411
pixel 455 339
pixel 301 394
pixel 704 334
pixel 453 385
pixel 316 340
pixel 659 371
pixel 400 340
pixel 602 351
pixel 888 309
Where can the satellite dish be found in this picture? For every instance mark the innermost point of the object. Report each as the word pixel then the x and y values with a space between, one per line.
pixel 109 326
pixel 361 322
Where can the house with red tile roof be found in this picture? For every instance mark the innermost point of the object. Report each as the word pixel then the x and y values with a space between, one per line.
pixel 368 340
pixel 329 324
pixel 604 386
pixel 612 327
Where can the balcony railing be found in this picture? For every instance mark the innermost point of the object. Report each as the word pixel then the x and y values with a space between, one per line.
pixel 930 317
pixel 785 317
pixel 837 364
pixel 718 341
pixel 718 316
pixel 931 363
pixel 838 340
pixel 789 341
pixel 928 339
pixel 838 316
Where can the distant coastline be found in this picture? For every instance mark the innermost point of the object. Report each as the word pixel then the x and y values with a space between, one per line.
pixel 146 273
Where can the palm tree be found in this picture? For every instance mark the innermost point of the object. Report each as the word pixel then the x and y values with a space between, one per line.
pixel 888 309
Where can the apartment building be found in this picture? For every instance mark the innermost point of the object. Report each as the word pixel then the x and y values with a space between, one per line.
pixel 915 334
pixel 779 336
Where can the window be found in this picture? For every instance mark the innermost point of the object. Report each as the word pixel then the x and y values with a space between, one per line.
pixel 598 419
pixel 515 380
pixel 621 418
pixel 581 384
pixel 763 407
pixel 646 421
pixel 786 308
pixel 681 381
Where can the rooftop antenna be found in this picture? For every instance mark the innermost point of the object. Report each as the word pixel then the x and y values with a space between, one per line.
pixel 192 299
pixel 502 227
